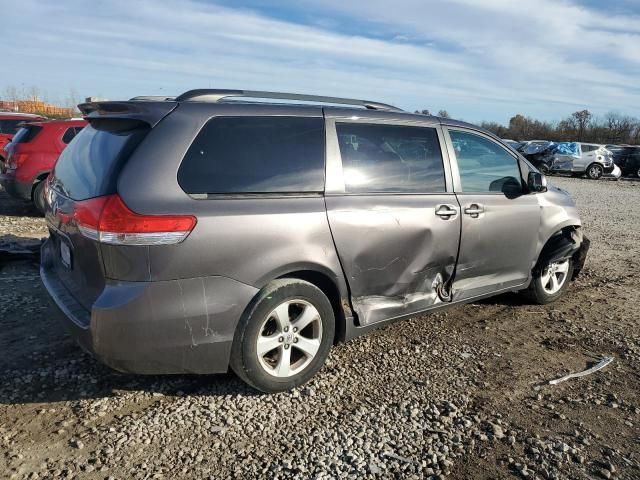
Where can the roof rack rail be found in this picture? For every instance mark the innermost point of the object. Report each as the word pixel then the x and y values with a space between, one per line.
pixel 152 98
pixel 215 95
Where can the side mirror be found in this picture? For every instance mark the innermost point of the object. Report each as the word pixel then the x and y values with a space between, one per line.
pixel 537 182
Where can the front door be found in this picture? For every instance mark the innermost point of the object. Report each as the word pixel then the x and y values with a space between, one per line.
pixel 500 221
pixel 395 225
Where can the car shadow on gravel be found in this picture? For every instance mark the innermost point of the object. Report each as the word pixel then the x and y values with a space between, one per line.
pixel 12 207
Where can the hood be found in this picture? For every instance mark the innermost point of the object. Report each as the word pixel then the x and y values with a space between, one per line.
pixel 558 196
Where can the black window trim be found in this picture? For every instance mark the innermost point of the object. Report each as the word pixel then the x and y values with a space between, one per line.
pixel 254 195
pixel 334 183
pixel 454 159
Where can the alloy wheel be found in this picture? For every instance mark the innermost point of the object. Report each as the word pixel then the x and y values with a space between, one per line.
pixel 289 338
pixel 595 172
pixel 554 276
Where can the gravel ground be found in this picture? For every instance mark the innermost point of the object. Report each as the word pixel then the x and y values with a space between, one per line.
pixel 459 394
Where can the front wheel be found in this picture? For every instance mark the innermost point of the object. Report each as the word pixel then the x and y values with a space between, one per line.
pixel 284 337
pixel 595 171
pixel 551 281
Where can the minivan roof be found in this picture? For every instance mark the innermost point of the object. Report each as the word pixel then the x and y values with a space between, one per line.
pixel 151 109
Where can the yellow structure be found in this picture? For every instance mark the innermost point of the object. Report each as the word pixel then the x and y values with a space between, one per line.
pixel 36 106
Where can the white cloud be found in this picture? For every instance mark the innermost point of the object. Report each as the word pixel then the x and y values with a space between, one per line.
pixel 479 59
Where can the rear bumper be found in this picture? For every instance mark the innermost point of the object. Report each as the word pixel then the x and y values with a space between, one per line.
pixel 14 187
pixel 174 326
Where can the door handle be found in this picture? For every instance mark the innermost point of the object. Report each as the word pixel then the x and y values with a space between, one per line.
pixel 474 210
pixel 446 211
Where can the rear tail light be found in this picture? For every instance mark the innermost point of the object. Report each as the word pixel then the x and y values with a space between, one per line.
pixel 108 220
pixel 17 159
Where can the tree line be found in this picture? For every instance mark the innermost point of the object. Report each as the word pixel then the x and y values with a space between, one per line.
pixel 580 126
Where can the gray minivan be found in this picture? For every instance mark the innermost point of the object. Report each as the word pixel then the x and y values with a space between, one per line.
pixel 217 229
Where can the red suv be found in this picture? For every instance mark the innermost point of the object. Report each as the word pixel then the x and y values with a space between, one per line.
pixel 32 154
pixel 9 122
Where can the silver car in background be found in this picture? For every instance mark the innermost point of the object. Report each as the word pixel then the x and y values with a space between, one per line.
pixel 588 159
pixel 208 231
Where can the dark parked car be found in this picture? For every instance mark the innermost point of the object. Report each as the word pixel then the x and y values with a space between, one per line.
pixel 628 159
pixel 31 155
pixel 201 232
pixel 539 153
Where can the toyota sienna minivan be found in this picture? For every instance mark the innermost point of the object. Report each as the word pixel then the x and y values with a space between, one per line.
pixel 221 229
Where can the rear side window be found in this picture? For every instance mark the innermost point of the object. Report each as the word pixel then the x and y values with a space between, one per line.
pixel 70 133
pixel 484 165
pixel 390 158
pixel 89 167
pixel 255 155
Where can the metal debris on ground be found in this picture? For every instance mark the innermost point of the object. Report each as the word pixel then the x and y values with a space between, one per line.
pixel 599 366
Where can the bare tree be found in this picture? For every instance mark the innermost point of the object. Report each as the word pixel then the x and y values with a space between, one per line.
pixel 33 93
pixel 582 119
pixel 73 98
pixel 443 114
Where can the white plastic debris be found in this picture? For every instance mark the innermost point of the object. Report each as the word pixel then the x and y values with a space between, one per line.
pixel 599 366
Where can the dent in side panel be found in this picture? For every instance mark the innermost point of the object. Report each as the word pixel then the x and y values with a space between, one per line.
pixel 394 250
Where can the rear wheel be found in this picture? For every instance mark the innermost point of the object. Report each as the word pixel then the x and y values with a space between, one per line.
pixel 595 171
pixel 638 172
pixel 284 337
pixel 38 197
pixel 551 282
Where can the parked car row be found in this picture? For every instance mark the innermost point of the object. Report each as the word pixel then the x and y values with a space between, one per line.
pixel 580 158
pixel 210 231
pixel 34 145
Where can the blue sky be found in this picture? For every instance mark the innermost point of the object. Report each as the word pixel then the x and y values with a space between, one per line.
pixel 479 59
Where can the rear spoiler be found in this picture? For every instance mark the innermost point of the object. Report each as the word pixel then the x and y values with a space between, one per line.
pixel 150 112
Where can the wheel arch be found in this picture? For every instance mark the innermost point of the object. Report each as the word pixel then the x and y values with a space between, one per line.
pixel 41 176
pixel 330 287
pixel 567 241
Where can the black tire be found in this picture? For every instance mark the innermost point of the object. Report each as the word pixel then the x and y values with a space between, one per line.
pixel 638 172
pixel 245 361
pixel 544 169
pixel 38 197
pixel 595 171
pixel 536 291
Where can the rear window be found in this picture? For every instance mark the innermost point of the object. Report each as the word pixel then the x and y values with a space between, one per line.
pixel 255 155
pixel 89 166
pixel 9 127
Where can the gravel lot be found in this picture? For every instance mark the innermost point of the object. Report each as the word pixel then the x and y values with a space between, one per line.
pixel 460 394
